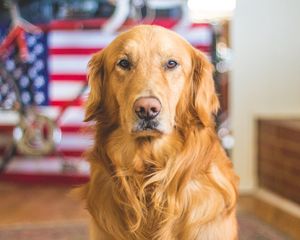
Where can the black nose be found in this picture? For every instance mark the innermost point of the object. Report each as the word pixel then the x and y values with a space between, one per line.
pixel 147 108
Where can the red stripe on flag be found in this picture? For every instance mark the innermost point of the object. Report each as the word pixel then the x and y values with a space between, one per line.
pixel 59 103
pixel 73 128
pixel 59 152
pixel 203 25
pixel 69 153
pixel 74 24
pixel 67 77
pixel 206 49
pixel 73 51
pixel 163 22
pixel 40 178
pixel 98 23
pixel 5 128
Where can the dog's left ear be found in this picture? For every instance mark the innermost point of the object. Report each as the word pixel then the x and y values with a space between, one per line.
pixel 96 84
pixel 204 98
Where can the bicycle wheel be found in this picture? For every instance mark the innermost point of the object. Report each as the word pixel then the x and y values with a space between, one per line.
pixel 36 134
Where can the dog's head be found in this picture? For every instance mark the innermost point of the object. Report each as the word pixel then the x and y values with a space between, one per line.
pixel 148 81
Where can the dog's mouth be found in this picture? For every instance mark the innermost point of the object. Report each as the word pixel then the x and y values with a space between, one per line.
pixel 146 128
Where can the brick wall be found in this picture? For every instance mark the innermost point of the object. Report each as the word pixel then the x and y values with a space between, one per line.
pixel 279 157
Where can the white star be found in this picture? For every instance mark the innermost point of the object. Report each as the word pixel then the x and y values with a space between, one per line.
pixel 24 81
pixel 17 73
pixel 39 97
pixel 10 65
pixel 39 65
pixel 32 73
pixel 31 58
pixel 39 82
pixel 31 41
pixel 25 97
pixel 12 96
pixel 4 89
pixel 8 103
pixel 38 49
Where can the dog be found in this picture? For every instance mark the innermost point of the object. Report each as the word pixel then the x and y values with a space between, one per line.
pixel 158 170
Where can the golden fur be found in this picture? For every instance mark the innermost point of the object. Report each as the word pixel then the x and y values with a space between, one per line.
pixel 172 183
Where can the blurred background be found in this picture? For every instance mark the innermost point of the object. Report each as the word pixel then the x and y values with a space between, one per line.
pixel 44 50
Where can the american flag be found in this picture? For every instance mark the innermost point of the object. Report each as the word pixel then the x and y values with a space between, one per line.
pixel 57 71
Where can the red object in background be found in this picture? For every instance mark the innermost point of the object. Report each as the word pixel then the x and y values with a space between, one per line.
pixel 36 178
pixel 17 34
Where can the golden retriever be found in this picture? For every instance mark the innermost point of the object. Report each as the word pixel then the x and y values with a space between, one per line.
pixel 158 171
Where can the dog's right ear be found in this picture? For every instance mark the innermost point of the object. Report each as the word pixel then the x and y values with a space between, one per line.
pixel 96 80
pixel 204 100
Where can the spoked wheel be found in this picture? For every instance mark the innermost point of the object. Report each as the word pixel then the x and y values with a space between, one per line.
pixel 36 134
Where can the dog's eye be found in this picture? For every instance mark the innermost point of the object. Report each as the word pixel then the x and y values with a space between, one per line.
pixel 124 63
pixel 171 64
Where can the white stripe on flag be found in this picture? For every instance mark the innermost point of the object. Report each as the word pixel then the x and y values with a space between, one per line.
pixel 79 39
pixel 198 36
pixel 75 141
pixel 46 165
pixel 64 90
pixel 68 64
pixel 73 116
pixel 11 118
pixel 96 39
pixel 8 117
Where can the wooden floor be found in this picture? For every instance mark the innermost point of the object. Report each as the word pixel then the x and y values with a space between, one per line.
pixel 271 214
pixel 21 204
pixel 27 204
